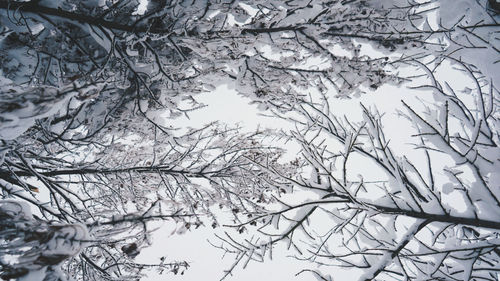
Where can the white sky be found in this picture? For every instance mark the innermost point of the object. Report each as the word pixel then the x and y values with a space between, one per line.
pixel 226 106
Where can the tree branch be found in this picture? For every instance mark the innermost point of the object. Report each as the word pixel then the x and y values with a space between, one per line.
pixel 35 8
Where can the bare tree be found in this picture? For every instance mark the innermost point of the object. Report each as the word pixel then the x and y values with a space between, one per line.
pixel 93 60
pixel 433 216
pixel 171 51
pixel 83 81
pixel 390 215
pixel 114 192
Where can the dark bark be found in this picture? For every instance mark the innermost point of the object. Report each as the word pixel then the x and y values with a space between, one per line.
pixel 272 29
pixel 89 171
pixel 440 218
pixel 35 8
pixel 494 5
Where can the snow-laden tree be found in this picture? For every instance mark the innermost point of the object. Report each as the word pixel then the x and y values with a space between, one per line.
pixel 385 212
pixel 115 52
pixel 119 51
pixel 94 58
pixel 86 86
pixel 38 246
pixel 365 203
pixel 115 189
